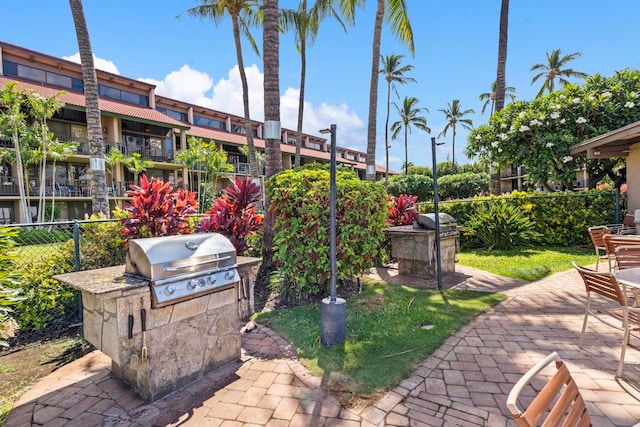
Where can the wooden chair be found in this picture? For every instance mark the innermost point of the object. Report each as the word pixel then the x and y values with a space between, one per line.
pixel 612 241
pixel 597 235
pixel 627 256
pixel 620 314
pixel 560 399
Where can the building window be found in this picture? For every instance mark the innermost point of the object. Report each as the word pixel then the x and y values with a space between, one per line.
pixel 30 73
pixel 123 95
pixel 209 123
pixel 177 115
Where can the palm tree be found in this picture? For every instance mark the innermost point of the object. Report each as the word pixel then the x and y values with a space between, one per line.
pixel 136 165
pixel 42 109
pixel 243 14
pixel 99 203
pixel 306 24
pixel 194 158
pixel 454 116
pixel 492 97
pixel 393 73
pixel 409 115
pixel 395 13
pixel 554 68
pixel 59 151
pixel 13 124
pixel 271 48
pixel 501 84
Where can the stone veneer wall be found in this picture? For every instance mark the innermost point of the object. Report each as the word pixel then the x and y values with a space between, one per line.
pixel 415 251
pixel 183 340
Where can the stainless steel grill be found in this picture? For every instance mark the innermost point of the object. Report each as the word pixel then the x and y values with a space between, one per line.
pixel 448 224
pixel 183 267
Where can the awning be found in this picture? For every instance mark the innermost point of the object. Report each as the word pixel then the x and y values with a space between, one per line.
pixel 616 143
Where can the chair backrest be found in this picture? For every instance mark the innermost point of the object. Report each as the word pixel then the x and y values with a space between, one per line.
pixel 628 256
pixel 612 241
pixel 597 233
pixel 601 283
pixel 560 399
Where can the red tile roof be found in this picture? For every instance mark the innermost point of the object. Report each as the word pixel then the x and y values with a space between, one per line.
pixel 107 106
pixel 120 109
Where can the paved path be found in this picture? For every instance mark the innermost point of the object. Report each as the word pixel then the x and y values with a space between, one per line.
pixel 465 382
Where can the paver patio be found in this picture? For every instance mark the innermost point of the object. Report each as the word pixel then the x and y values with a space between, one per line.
pixel 465 382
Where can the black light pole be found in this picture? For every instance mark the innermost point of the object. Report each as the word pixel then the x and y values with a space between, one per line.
pixel 334 310
pixel 436 212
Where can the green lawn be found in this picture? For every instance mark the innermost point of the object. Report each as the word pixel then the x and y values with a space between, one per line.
pixel 33 252
pixel 386 338
pixel 527 264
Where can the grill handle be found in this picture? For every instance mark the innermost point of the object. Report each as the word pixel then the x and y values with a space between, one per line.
pixel 209 261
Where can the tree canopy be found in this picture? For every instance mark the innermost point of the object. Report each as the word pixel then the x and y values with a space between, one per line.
pixel 538 134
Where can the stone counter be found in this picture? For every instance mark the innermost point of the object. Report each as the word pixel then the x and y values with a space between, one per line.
pixel 415 251
pixel 183 341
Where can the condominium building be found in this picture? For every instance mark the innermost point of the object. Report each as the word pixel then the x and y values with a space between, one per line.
pixel 134 120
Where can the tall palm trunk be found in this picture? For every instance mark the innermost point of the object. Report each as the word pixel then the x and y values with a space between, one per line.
pixel 303 76
pixel 373 93
pixel 99 203
pixel 453 155
pixel 502 57
pixel 406 151
pixel 22 182
pixel 386 135
pixel 253 164
pixel 43 172
pixel 271 51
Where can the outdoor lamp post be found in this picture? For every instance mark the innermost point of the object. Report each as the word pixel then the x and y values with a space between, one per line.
pixel 436 212
pixel 334 310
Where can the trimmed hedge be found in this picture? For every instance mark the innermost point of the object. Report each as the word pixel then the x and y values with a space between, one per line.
pixel 562 218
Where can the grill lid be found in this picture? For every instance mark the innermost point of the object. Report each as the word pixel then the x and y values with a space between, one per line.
pixel 161 257
pixel 428 221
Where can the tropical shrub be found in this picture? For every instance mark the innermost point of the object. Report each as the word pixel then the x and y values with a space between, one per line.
pixel 101 245
pixel 420 186
pixel 561 218
pixel 402 210
pixel 9 285
pixel 501 226
pixel 300 200
pixel 46 299
pixel 463 185
pixel 155 210
pixel 234 214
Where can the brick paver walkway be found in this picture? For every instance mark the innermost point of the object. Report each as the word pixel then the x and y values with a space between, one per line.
pixel 465 382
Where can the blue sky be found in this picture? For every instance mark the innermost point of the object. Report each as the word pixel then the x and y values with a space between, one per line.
pixel 455 43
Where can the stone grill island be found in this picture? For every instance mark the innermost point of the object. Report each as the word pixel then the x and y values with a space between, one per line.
pixel 182 342
pixel 414 246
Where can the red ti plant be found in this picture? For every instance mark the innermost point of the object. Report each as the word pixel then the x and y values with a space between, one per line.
pixel 233 214
pixel 402 210
pixel 155 210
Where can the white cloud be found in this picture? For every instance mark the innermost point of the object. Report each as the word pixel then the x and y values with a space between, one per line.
pixel 197 87
pixel 99 63
pixel 186 85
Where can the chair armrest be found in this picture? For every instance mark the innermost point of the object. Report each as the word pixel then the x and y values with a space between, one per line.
pixel 512 399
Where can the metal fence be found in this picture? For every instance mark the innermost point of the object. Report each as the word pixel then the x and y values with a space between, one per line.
pixel 51 309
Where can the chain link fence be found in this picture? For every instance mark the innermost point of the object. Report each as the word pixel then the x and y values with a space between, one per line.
pixel 51 309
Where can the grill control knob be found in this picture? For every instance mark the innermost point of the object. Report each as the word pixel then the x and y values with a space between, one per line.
pixel 201 282
pixel 191 284
pixel 169 290
pixel 211 280
pixel 229 275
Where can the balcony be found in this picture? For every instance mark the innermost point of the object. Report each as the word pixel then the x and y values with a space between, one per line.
pixel 8 187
